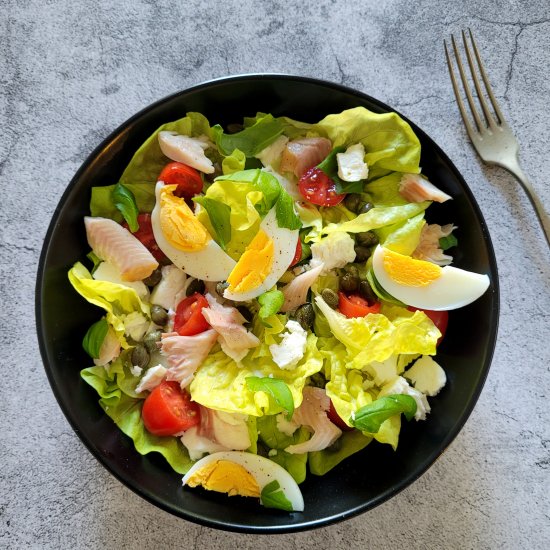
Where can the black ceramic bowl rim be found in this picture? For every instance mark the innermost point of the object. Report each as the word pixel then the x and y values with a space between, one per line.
pixel 296 525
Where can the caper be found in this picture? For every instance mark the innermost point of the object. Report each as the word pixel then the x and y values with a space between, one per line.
pixel 364 208
pixel 221 286
pixel 353 201
pixel 318 380
pixel 245 312
pixel 196 285
pixel 140 356
pixel 154 278
pixel 349 282
pixel 151 339
pixel 366 238
pixel 366 292
pixel 330 297
pixel 305 315
pixel 159 315
pixel 362 253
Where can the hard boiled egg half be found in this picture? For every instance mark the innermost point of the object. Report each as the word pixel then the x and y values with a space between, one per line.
pixel 264 260
pixel 248 475
pixel 425 285
pixel 184 240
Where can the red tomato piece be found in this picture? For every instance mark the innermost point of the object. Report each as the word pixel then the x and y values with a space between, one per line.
pixel 356 306
pixel 297 254
pixel 439 318
pixel 147 238
pixel 187 179
pixel 335 418
pixel 316 187
pixel 168 410
pixel 189 319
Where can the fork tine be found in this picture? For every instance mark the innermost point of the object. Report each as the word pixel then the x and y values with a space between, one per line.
pixel 466 86
pixel 484 107
pixel 494 102
pixel 459 102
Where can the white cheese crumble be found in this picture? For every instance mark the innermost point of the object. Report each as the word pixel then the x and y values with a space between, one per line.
pixel 172 282
pixel 151 379
pixel 351 164
pixel 334 250
pixel 288 353
pixel 135 370
pixel 427 376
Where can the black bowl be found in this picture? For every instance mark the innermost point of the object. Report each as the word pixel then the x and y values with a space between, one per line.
pixel 362 481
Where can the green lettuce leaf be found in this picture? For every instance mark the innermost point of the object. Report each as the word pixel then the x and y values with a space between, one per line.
pixel 320 462
pixel 94 338
pixel 148 161
pixel 117 300
pixel 385 191
pixel 220 382
pixel 377 217
pixel 402 237
pixel 249 194
pixel 102 205
pixel 269 435
pixel 390 142
pixel 376 337
pixel 274 497
pixel 125 411
pixel 271 302
pixel 235 162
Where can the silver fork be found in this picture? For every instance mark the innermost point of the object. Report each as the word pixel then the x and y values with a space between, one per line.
pixel 491 137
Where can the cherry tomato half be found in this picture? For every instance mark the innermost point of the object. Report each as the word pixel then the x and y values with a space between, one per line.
pixel 187 179
pixel 439 318
pixel 168 410
pixel 297 254
pixel 189 319
pixel 316 187
pixel 145 235
pixel 335 418
pixel 356 306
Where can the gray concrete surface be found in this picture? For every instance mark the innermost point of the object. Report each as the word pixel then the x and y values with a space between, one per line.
pixel 70 72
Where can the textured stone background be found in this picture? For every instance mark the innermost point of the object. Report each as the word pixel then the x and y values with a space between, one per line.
pixel 71 72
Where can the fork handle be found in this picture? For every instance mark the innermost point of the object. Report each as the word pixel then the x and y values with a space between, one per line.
pixel 542 215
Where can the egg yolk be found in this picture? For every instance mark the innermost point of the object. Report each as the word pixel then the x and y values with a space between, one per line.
pixel 179 224
pixel 225 477
pixel 408 271
pixel 253 266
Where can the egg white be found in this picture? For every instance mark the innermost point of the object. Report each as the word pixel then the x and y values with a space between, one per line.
pixel 262 469
pixel 284 248
pixel 209 264
pixel 455 287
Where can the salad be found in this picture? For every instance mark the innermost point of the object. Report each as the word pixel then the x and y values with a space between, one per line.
pixel 273 296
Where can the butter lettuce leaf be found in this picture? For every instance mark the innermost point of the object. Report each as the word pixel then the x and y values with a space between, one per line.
pixel 272 437
pixel 389 141
pixel 402 237
pixel 220 382
pixel 148 161
pixel 378 336
pixel 249 194
pixel 235 162
pixel 125 411
pixel 117 300
pixel 320 462
pixel 377 217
